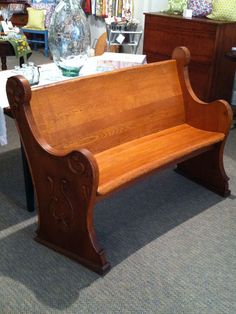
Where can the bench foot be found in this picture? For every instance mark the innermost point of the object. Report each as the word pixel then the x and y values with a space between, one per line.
pixel 67 195
pixel 207 169
pixel 95 261
pixel 77 244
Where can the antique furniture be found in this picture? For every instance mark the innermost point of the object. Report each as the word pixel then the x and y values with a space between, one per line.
pixel 84 140
pixel 231 55
pixel 34 39
pixel 6 50
pixel 39 18
pixel 211 74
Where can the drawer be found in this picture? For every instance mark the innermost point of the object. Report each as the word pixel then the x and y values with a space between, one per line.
pixel 199 75
pixel 154 56
pixel 162 35
pixel 19 19
pixel 211 74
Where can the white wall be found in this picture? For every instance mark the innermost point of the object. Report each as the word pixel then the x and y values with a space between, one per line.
pixel 97 25
pixel 148 6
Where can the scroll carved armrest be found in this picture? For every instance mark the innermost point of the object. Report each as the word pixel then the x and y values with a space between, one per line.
pixel 66 189
pixel 215 116
pixel 65 185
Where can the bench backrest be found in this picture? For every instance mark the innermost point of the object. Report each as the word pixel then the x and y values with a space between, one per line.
pixel 103 111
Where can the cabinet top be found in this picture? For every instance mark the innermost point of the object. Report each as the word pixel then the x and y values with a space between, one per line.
pixel 193 19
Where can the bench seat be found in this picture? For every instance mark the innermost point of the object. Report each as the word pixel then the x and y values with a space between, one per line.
pixel 127 162
pixel 87 137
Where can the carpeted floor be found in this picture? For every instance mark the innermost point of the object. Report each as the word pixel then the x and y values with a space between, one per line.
pixel 171 244
pixel 37 57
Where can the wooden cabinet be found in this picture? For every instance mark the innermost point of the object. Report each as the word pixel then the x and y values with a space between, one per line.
pixel 211 73
pixel 19 19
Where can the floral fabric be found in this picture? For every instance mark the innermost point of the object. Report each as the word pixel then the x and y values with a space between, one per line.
pixel 177 6
pixel 200 7
pixel 108 7
pixel 21 46
pixel 223 10
pixel 48 7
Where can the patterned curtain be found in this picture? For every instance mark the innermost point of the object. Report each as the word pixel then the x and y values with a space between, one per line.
pixel 104 8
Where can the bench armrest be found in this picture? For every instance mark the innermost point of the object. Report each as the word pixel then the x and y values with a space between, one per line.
pixel 66 185
pixel 215 116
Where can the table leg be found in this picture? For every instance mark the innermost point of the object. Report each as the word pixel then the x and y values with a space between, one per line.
pixel 4 63
pixel 29 188
pixel 234 116
pixel 21 61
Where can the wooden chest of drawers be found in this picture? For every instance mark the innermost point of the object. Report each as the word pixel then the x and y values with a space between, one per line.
pixel 20 19
pixel 211 73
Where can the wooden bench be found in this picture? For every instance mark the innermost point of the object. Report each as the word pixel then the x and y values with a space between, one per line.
pixel 88 137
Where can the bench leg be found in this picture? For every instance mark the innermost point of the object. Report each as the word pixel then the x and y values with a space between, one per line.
pixel 29 188
pixel 4 63
pixel 46 48
pixel 66 195
pixel 207 169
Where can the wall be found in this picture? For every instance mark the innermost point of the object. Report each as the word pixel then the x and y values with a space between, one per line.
pixel 97 25
pixel 148 6
pixel 233 102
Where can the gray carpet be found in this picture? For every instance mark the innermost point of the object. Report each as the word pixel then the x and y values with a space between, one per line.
pixel 171 244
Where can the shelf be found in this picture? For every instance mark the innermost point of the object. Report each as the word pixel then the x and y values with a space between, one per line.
pixel 124 44
pixel 124 38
